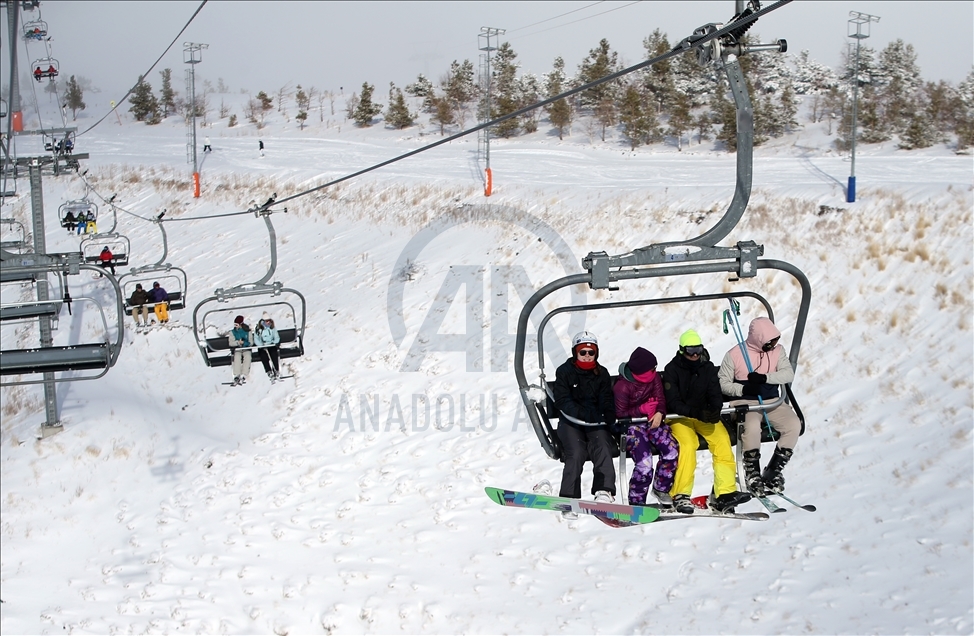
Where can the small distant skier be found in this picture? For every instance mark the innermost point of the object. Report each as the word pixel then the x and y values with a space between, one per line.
pixel 206 145
pixel 260 146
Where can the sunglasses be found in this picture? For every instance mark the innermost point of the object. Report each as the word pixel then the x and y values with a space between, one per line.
pixel 693 350
pixel 771 344
pixel 586 352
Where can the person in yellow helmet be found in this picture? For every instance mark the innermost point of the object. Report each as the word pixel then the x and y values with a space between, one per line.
pixel 693 392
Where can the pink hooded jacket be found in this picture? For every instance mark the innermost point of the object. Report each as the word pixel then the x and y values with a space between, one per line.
pixel 774 364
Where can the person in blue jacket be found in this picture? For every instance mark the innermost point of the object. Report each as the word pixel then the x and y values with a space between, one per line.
pixel 268 341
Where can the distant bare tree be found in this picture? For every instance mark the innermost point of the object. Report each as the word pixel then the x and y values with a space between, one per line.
pixel 251 110
pixel 282 94
pixel 312 95
pixel 224 109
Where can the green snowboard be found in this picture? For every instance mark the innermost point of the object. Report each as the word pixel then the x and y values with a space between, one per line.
pixel 615 515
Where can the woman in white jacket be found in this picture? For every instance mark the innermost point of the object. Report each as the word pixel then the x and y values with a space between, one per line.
pixel 268 341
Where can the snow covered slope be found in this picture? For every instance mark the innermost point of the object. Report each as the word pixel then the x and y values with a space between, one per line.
pixel 350 498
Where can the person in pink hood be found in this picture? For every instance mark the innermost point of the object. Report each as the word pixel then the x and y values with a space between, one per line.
pixel 766 368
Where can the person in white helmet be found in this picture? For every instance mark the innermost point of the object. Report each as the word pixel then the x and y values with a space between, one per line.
pixel 583 394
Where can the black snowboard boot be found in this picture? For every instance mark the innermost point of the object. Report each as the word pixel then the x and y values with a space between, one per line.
pixel 752 473
pixel 774 481
pixel 727 501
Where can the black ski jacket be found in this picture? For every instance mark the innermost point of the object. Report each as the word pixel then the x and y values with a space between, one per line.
pixel 692 388
pixel 585 396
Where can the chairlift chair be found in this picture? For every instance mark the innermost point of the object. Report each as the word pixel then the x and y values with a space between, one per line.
pixel 17 311
pixel 13 235
pixel 119 245
pixel 43 68
pixel 172 279
pixel 35 30
pixel 76 207
pixel 98 354
pixel 213 317
pixel 695 257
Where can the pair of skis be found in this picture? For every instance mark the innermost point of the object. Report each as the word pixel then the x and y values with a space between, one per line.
pixel 614 515
pixel 773 507
pixel 277 379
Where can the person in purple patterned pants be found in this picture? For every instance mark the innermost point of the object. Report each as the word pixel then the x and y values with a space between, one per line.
pixel 639 393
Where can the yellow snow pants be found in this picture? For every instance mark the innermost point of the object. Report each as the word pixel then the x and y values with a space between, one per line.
pixel 685 430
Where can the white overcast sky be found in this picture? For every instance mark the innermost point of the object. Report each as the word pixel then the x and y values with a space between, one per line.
pixel 264 45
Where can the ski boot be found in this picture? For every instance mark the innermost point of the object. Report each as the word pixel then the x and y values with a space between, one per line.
pixel 683 505
pixel 728 501
pixel 663 498
pixel 773 479
pixel 752 473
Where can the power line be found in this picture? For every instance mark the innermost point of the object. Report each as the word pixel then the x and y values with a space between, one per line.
pixel 578 20
pixel 528 26
pixel 146 74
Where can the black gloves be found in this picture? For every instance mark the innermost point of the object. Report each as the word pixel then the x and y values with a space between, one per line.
pixel 618 428
pixel 757 378
pixel 750 389
pixel 709 416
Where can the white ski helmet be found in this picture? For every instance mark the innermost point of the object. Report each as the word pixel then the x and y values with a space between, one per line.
pixel 583 337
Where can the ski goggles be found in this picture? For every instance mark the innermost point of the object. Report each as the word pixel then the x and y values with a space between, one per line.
pixel 693 350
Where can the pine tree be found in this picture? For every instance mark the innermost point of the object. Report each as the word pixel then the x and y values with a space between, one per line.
pixel 397 114
pixel 443 113
pixel 423 89
pixel 264 104
pixel 812 78
pixel 74 97
pixel 529 93
pixel 365 110
pixel 459 88
pixel 506 90
pixel 633 117
pixel 144 105
pixel 681 118
pixel 167 96
pixel 703 126
pixel 963 113
pixel 301 99
pixel 659 78
pixel 559 112
pixel 601 61
pixel 873 127
pixel 693 80
pixel 902 82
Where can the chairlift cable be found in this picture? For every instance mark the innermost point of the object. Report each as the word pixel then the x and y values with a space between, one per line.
pixel 684 46
pixel 146 74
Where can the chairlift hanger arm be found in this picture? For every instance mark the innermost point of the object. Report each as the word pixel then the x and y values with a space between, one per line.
pixel 704 247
